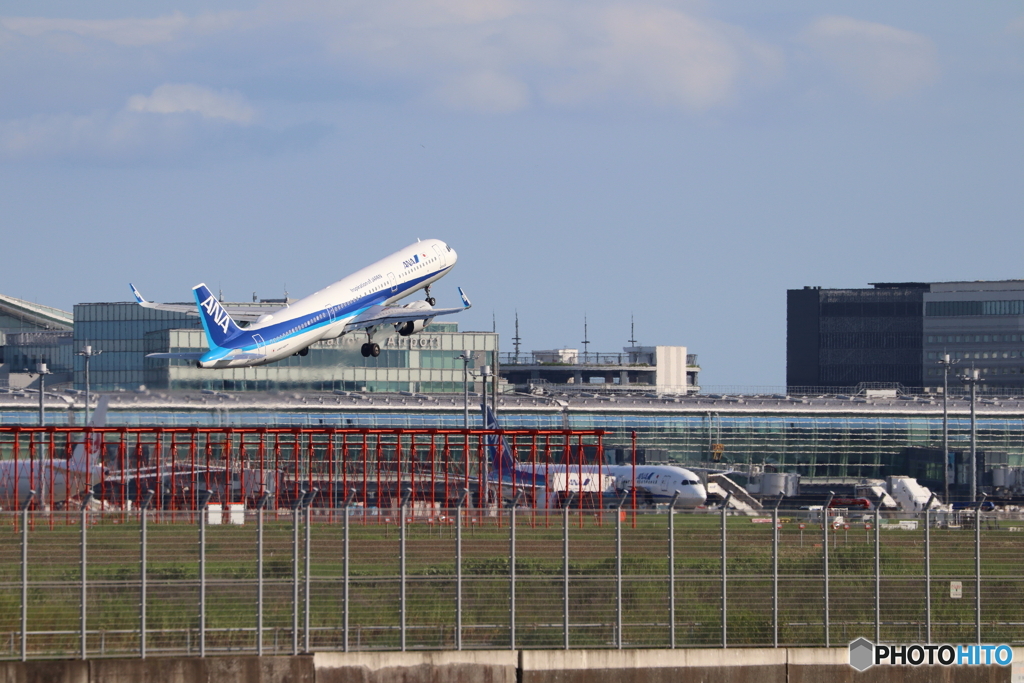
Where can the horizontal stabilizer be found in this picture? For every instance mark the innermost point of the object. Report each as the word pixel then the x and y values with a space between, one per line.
pixel 183 355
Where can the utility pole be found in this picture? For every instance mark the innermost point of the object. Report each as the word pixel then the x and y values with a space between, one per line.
pixel 946 364
pixel 87 352
pixel 972 380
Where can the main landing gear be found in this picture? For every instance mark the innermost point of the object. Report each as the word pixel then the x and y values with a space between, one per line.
pixel 370 350
pixel 430 300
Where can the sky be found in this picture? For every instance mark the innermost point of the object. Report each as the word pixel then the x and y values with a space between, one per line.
pixel 679 165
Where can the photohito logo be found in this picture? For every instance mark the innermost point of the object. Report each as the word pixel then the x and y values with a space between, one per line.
pixel 865 654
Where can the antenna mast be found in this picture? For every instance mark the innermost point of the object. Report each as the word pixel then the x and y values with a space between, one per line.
pixel 586 343
pixel 516 340
pixel 632 332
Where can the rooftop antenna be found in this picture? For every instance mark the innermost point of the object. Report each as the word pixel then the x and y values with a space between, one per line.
pixel 494 322
pixel 632 332
pixel 516 340
pixel 586 342
pixel 220 294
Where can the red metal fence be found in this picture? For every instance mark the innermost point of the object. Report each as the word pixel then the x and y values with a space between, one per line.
pixel 119 465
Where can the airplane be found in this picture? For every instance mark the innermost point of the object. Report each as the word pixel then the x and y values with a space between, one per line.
pixel 656 483
pixel 361 301
pixel 55 480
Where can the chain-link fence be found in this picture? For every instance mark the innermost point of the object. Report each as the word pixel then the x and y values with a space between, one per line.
pixel 93 584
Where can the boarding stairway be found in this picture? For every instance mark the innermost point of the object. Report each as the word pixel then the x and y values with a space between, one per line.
pixel 720 485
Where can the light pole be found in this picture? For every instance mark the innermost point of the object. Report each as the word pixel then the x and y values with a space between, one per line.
pixel 87 353
pixel 465 358
pixel 946 364
pixel 41 369
pixel 972 380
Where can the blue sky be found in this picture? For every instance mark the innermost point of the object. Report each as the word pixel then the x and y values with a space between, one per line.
pixel 681 162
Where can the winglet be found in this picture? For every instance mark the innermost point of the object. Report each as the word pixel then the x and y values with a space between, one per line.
pixel 465 299
pixel 138 297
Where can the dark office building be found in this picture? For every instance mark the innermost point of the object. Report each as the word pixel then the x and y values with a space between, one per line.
pixel 895 333
pixel 842 337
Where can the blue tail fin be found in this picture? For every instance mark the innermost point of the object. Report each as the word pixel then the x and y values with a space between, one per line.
pixel 217 324
pixel 502 457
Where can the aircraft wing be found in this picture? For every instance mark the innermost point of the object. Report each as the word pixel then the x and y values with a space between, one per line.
pixel 247 313
pixel 393 315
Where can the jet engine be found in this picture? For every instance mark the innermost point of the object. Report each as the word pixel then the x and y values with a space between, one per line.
pixel 413 326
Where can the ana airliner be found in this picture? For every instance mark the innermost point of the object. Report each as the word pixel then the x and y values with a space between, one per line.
pixel 361 302
pixel 657 483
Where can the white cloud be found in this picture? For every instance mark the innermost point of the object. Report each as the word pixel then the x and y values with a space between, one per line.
pixel 176 120
pixel 176 98
pixel 483 55
pixel 881 60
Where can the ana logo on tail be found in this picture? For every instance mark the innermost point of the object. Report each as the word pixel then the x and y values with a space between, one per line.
pixel 216 312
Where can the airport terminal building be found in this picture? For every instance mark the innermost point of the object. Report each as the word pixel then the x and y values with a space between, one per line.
pixel 815 437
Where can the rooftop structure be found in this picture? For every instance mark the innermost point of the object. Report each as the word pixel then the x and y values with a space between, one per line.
pixel 638 369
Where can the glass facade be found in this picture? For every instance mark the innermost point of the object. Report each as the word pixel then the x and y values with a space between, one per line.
pixel 25 349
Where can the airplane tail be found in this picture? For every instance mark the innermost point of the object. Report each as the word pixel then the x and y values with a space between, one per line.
pixel 502 456
pixel 86 454
pixel 217 324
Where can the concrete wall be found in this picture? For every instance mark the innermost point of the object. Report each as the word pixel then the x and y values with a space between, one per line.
pixel 735 665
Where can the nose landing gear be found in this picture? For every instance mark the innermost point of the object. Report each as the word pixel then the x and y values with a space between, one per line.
pixel 430 300
pixel 370 350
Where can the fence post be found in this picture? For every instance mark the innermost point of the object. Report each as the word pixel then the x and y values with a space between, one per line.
pixel 725 602
pixel 204 498
pixel 671 570
pixel 83 566
pixel 878 577
pixel 977 567
pixel 305 578
pixel 401 568
pixel 143 542
pixel 824 557
pixel 565 570
pixel 458 568
pixel 260 505
pixel 618 579
pixel 345 568
pixel 775 572
pixel 295 572
pixel 24 574
pixel 928 571
pixel 512 575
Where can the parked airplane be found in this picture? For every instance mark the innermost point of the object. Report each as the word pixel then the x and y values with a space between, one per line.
pixel 57 480
pixel 657 483
pixel 360 302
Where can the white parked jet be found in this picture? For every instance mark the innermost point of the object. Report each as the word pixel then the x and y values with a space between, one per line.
pixel 658 483
pixel 360 302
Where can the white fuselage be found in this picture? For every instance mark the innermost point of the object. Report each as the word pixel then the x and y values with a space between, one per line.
pixel 660 482
pixel 326 313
